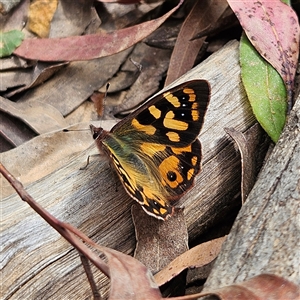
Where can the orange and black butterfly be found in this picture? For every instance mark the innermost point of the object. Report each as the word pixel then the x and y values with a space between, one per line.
pixel 155 150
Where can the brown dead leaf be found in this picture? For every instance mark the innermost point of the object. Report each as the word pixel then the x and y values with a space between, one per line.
pixel 165 36
pixel 13 62
pixel 225 21
pixel 35 76
pixel 154 64
pixel 186 50
pixel 12 19
pixel 130 279
pixel 14 131
pixel 12 79
pixel 118 16
pixel 198 256
pixel 40 15
pixel 72 85
pixel 158 242
pixel 74 18
pixel 40 117
pixel 88 46
pixel 248 146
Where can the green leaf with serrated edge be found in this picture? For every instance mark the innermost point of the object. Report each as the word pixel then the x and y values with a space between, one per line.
pixel 9 41
pixel 265 89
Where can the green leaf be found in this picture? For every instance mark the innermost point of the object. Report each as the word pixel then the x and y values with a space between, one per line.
pixel 9 41
pixel 265 89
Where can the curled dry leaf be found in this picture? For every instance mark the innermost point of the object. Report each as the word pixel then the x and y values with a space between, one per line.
pixel 248 145
pixel 89 46
pixel 38 75
pixel 198 256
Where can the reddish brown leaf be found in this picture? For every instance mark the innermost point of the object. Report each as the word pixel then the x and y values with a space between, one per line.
pixel 261 287
pixel 273 29
pixel 130 279
pixel 89 46
pixel 186 50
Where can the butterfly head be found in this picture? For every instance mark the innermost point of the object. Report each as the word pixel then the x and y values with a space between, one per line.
pixel 98 132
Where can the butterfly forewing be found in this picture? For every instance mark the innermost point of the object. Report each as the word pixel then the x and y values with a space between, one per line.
pixel 155 150
pixel 176 116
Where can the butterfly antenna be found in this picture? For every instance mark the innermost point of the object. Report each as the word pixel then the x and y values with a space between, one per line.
pixel 69 130
pixel 102 104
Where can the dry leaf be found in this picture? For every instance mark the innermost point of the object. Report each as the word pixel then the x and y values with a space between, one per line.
pixel 198 256
pixel 40 15
pixel 261 287
pixel 186 50
pixel 40 117
pixel 74 18
pixel 37 75
pixel 158 242
pixel 249 149
pixel 75 83
pixel 79 47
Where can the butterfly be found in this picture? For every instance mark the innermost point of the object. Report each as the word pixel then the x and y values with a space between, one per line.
pixel 155 150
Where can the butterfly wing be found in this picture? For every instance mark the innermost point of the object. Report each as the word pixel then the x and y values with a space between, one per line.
pixel 172 118
pixel 155 150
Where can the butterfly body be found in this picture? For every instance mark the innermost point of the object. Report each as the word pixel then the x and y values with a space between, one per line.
pixel 155 150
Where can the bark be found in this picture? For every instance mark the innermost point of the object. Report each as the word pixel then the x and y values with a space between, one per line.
pixel 265 235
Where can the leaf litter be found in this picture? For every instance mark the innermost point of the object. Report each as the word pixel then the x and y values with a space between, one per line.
pixel 73 92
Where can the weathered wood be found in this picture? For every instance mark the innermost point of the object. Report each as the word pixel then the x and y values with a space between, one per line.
pixel 37 263
pixel 265 236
